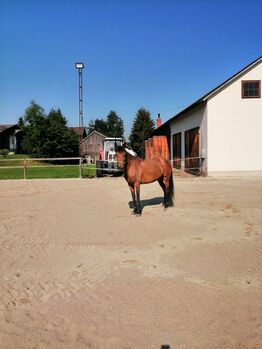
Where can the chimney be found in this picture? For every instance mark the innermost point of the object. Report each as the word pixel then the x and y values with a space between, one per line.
pixel 158 121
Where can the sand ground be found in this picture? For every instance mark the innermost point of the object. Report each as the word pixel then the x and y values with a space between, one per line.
pixel 77 270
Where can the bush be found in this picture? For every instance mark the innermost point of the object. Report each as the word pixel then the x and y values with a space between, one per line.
pixel 4 152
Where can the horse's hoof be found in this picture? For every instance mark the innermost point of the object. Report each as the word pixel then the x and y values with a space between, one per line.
pixel 138 212
pixel 134 212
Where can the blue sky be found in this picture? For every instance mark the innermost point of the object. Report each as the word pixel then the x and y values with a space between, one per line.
pixel 158 54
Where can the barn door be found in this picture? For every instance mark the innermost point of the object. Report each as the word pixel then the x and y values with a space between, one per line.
pixel 177 150
pixel 192 161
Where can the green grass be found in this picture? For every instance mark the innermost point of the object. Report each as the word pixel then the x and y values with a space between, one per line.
pixel 66 171
pixel 4 161
pixel 11 173
pixel 43 169
pixel 16 156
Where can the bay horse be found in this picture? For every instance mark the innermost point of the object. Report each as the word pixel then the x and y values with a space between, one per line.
pixel 138 171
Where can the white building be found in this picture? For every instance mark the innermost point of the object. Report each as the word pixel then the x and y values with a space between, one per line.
pixel 222 131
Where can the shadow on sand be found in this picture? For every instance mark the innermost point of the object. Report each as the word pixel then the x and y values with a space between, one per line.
pixel 148 202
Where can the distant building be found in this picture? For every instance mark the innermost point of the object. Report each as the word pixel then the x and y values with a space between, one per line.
pixel 80 131
pixel 93 146
pixel 10 138
pixel 220 132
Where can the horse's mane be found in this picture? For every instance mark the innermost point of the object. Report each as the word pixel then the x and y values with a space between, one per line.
pixel 130 152
pixel 127 149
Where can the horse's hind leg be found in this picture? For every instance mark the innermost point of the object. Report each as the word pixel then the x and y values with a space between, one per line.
pixel 167 189
pixel 132 189
pixel 137 189
pixel 162 185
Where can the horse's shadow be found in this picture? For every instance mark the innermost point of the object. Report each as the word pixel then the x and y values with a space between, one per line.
pixel 148 202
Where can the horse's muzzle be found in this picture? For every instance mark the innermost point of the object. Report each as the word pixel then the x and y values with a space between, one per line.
pixel 120 165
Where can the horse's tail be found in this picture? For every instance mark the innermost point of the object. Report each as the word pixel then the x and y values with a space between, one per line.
pixel 171 190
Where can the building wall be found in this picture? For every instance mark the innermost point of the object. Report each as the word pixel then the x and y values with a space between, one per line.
pixel 92 146
pixel 234 128
pixel 195 117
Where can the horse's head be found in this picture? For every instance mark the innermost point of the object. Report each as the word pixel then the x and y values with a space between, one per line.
pixel 121 152
pixel 120 155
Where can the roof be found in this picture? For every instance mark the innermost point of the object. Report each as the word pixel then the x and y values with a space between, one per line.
pixel 79 130
pixel 93 133
pixel 6 127
pixel 209 94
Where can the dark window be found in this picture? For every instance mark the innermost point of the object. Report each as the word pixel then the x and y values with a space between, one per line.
pixel 251 89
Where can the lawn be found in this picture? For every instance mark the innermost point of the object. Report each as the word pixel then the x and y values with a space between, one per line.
pixel 13 160
pixel 56 171
pixel 12 168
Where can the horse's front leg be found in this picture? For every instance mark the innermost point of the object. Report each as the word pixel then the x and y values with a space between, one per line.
pixel 137 189
pixel 132 189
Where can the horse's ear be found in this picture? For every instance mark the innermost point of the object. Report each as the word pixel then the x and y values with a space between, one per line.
pixel 124 145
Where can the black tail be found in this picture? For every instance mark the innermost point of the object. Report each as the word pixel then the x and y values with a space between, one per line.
pixel 171 191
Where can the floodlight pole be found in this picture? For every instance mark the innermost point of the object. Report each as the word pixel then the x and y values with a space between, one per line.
pixel 80 99
pixel 80 67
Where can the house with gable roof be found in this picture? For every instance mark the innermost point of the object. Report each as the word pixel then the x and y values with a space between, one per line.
pixel 10 137
pixel 221 131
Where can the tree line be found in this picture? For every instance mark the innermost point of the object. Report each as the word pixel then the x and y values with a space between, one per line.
pixel 48 135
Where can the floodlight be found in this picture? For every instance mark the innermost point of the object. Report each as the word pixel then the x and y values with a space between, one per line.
pixel 79 65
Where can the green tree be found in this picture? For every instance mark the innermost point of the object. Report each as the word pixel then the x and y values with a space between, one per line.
pixel 141 130
pixel 33 124
pixel 90 127
pixel 60 140
pixel 98 125
pixel 115 125
pixel 47 136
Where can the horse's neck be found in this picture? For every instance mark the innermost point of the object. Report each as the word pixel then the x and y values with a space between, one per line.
pixel 128 159
pixel 126 162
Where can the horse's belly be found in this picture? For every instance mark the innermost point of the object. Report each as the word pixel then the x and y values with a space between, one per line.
pixel 150 176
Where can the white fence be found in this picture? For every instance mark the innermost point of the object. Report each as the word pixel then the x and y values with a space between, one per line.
pixel 194 165
pixel 190 164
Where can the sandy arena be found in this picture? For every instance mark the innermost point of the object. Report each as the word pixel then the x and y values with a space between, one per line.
pixel 77 270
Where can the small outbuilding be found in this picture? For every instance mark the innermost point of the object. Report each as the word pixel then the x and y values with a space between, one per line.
pixel 92 146
pixel 10 138
pixel 221 131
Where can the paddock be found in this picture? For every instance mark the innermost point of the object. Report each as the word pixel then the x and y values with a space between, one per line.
pixel 78 270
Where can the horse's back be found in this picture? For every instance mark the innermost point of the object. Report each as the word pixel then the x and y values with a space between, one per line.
pixel 147 171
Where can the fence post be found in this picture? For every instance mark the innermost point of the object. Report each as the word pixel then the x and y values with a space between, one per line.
pixel 24 168
pixel 80 168
pixel 183 165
